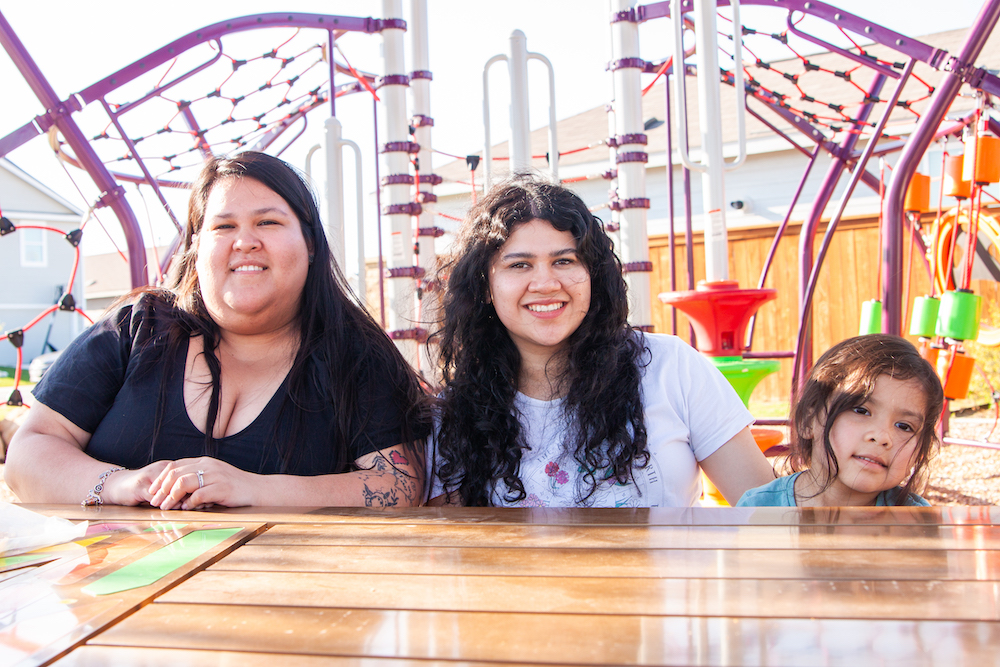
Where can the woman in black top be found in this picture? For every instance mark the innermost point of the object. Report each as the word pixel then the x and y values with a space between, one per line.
pixel 254 380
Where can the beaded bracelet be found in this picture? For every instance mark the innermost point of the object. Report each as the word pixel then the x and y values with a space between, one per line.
pixel 94 495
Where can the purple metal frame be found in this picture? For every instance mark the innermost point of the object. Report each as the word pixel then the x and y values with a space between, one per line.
pixel 810 226
pixel 803 356
pixel 58 113
pixel 958 69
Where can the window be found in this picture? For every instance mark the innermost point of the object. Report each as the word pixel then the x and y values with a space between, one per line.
pixel 33 248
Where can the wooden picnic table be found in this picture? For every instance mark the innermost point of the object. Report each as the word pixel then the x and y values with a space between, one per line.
pixel 768 586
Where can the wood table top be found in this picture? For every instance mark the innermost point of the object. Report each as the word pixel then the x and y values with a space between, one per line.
pixel 777 586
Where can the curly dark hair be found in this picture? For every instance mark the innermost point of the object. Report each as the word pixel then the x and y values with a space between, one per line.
pixel 479 440
pixel 340 344
pixel 844 378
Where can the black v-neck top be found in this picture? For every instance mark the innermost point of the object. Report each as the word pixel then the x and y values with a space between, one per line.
pixel 107 382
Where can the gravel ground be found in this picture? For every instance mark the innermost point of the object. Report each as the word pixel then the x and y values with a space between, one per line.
pixel 962 475
pixel 959 475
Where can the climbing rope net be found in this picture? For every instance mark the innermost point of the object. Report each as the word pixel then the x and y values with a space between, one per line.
pixel 217 93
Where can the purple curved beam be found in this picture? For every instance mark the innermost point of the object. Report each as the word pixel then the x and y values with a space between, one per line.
pixel 58 114
pixel 217 30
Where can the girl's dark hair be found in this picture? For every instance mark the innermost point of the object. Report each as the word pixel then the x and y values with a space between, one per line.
pixel 844 378
pixel 341 348
pixel 480 439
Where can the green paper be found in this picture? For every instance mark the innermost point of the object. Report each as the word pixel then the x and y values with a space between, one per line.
pixel 14 562
pixel 164 527
pixel 160 563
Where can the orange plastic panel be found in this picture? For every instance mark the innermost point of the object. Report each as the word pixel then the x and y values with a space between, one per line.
pixel 929 351
pixel 954 184
pixel 956 373
pixel 767 437
pixel 918 195
pixel 987 151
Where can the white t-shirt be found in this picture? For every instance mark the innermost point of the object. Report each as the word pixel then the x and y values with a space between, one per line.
pixel 690 411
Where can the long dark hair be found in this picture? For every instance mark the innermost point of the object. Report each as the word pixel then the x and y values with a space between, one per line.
pixel 844 378
pixel 340 344
pixel 479 438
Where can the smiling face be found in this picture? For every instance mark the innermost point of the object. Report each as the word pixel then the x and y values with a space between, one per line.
pixel 874 443
pixel 252 258
pixel 539 288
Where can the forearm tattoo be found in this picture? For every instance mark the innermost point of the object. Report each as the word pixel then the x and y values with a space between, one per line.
pixel 387 485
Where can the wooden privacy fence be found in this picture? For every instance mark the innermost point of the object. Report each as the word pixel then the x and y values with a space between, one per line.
pixel 849 277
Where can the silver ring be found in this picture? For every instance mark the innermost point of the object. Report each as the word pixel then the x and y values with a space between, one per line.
pixel 201 479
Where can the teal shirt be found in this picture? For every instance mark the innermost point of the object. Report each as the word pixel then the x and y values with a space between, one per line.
pixel 781 493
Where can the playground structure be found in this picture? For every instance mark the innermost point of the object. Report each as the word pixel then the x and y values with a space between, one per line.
pixel 245 105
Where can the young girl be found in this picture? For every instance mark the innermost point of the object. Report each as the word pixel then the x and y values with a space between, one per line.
pixel 551 398
pixel 862 429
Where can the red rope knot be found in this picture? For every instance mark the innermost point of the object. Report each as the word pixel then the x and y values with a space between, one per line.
pixel 421 120
pixel 405 272
pixel 397 179
pixel 16 338
pixel 637 267
pixel 400 147
pixel 410 208
pixel 635 156
pixel 436 232
pixel 417 334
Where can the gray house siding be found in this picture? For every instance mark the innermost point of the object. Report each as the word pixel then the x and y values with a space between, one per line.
pixel 29 286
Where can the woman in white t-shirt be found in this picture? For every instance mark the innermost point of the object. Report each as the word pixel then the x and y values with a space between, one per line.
pixel 551 398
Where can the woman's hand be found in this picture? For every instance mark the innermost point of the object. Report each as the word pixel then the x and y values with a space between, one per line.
pixel 196 483
pixel 392 477
pixel 131 487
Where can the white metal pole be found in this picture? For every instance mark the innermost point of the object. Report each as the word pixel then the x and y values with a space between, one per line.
pixel 335 191
pixel 423 123
pixel 631 162
pixel 420 105
pixel 709 118
pixel 397 195
pixel 553 126
pixel 615 223
pixel 520 130
pixel 360 199
pixel 487 145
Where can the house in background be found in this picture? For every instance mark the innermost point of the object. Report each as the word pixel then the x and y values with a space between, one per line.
pixel 35 266
pixel 108 278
